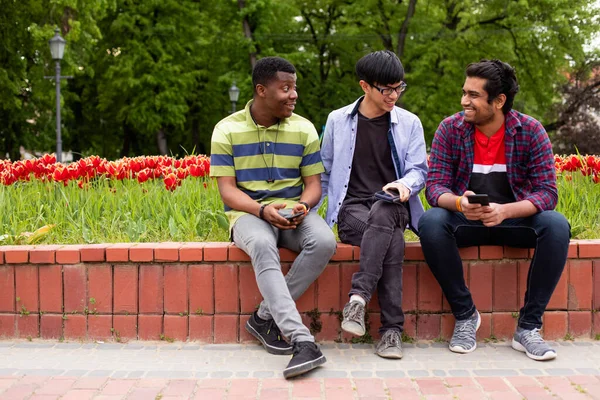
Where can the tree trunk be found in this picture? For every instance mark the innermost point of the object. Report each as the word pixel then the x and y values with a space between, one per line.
pixel 404 29
pixel 247 32
pixel 161 142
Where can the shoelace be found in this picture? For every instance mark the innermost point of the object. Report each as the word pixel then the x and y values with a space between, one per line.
pixel 533 337
pixel 391 339
pixel 300 346
pixel 465 330
pixel 273 327
pixel 356 311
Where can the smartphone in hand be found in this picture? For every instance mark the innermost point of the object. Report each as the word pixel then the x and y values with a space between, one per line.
pixel 288 214
pixel 482 199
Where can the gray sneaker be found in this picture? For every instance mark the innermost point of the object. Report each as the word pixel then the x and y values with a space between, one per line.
pixel 531 343
pixel 390 345
pixel 464 338
pixel 354 318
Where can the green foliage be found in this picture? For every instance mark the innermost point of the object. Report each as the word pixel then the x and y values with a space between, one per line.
pixel 152 76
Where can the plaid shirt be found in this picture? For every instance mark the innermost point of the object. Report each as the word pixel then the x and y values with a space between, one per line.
pixel 529 160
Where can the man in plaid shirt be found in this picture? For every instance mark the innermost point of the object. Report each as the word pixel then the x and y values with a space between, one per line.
pixel 491 149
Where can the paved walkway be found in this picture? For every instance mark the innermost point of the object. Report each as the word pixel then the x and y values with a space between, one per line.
pixel 151 370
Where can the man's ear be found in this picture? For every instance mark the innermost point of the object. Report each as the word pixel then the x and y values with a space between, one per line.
pixel 261 90
pixel 500 100
pixel 364 85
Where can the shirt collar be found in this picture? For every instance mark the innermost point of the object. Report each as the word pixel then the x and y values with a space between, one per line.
pixel 250 120
pixel 511 122
pixel 353 110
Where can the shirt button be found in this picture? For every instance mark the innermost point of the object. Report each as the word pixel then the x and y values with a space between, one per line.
pixel 268 144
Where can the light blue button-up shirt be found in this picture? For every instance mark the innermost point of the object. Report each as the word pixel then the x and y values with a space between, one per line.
pixel 337 152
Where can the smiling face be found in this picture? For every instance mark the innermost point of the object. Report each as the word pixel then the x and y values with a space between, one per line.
pixel 475 103
pixel 378 103
pixel 280 95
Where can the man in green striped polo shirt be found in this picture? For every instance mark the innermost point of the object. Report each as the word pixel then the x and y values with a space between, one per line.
pixel 267 163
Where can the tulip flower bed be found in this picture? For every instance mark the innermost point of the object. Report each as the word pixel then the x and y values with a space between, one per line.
pixel 158 198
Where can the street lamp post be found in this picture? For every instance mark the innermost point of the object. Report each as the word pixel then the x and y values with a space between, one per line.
pixel 57 49
pixel 234 95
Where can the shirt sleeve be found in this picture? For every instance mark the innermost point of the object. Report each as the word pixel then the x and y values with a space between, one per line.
pixel 415 162
pixel 311 158
pixel 541 171
pixel 440 176
pixel 221 154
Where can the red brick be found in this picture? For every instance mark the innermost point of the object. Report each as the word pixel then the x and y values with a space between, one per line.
pixel 166 251
pixel 409 287
pixel 99 326
pixel 429 291
pixel 250 296
pixel 28 326
pixel 481 280
pixel 215 251
pixel 237 254
pixel 26 278
pixel 491 252
pixel 7 325
pixel 151 289
pixel 595 274
pixel 118 252
pixel 328 286
pixel 7 288
pixel 559 299
pixel 93 253
pixel 503 325
pixel 447 326
pixel 150 327
pixel 176 289
pixel 596 324
pixel 176 327
pixel 307 301
pixel 69 254
pixel 244 335
pixel 201 328
pixel 125 326
pixel 51 291
pixel 587 248
pixel 522 272
pixel 142 252
pixel 375 324
pixel 515 252
pixel 580 285
pixel 410 325
pixel 413 252
pixel 572 252
pixel 16 254
pixel 505 286
pixel 43 254
pixel 330 327
pixel 74 283
pixel 469 253
pixel 125 289
pixel 343 252
pixel 346 272
pixel 466 268
pixel 287 255
pixel 356 253
pixel 75 326
pixel 555 325
pixel 580 323
pixel 1 255
pixel 191 251
pixel 201 289
pixel 226 328
pixel 428 326
pixel 100 288
pixel 226 289
pixel 485 329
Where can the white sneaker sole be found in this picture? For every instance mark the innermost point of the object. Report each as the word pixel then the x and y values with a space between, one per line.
pixel 549 355
pixel 353 328
pixel 462 350
pixel 303 368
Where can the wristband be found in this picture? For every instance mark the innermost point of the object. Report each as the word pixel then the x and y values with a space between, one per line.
pixel 458 203
pixel 261 213
pixel 306 206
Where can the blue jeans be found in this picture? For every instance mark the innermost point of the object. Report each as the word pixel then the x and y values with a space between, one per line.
pixel 442 232
pixel 378 228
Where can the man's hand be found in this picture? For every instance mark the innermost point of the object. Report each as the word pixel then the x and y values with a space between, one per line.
pixel 473 212
pixel 299 208
pixel 271 215
pixel 403 190
pixel 493 214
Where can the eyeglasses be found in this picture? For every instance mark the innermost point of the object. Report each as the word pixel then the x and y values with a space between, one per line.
pixel 389 90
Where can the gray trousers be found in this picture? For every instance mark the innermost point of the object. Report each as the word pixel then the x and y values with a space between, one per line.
pixel 314 242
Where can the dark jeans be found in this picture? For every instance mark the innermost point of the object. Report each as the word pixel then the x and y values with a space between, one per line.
pixel 378 228
pixel 442 232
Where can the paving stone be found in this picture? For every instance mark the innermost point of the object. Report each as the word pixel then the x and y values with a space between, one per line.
pixel 559 371
pixel 7 371
pixel 43 372
pixel 221 374
pixel 390 374
pixel 531 372
pixel 100 373
pixel 495 372
pixel 75 372
pixel 418 373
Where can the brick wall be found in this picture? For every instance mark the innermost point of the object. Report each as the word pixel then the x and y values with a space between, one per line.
pixel 206 291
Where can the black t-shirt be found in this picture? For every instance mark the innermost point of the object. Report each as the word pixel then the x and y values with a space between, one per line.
pixel 372 164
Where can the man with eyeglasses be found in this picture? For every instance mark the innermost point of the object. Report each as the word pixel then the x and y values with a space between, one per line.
pixel 373 147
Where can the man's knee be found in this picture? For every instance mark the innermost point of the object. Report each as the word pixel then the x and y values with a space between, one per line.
pixel 324 242
pixel 385 214
pixel 555 223
pixel 433 220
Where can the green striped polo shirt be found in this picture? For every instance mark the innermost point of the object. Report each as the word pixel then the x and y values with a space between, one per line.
pixel 268 163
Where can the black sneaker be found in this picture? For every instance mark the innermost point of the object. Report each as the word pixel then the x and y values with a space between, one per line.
pixel 307 356
pixel 269 335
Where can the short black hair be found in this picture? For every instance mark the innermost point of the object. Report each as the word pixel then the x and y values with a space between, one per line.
pixel 382 67
pixel 501 79
pixel 265 70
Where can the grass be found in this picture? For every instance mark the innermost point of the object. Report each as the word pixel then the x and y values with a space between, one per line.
pixel 111 211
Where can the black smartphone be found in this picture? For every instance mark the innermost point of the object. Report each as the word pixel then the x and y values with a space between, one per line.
pixel 393 191
pixel 287 214
pixel 478 199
